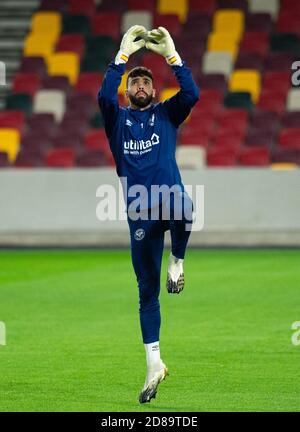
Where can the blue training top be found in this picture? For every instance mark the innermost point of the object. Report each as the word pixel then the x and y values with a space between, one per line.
pixel 143 143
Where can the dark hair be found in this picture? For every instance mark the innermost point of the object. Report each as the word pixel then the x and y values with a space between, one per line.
pixel 139 71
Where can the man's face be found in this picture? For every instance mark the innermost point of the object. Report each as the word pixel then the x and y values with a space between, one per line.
pixel 140 91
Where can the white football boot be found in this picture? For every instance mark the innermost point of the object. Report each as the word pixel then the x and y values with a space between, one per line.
pixel 175 277
pixel 153 379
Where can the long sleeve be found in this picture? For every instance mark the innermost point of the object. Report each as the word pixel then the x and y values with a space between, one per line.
pixel 179 106
pixel 108 95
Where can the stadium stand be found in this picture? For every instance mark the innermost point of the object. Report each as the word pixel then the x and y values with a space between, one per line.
pixel 240 53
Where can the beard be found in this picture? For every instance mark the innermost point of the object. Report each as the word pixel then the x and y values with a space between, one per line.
pixel 140 102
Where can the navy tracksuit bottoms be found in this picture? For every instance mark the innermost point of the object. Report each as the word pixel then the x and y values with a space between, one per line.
pixel 147 244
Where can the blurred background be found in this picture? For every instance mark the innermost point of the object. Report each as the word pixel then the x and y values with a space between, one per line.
pixel 242 141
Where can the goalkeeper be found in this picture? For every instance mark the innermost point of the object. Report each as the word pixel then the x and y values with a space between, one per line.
pixel 142 138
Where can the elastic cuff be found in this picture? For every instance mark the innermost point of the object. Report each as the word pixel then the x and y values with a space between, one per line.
pixel 121 57
pixel 174 59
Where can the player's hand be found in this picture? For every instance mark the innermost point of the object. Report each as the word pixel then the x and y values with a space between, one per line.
pixel 129 45
pixel 164 45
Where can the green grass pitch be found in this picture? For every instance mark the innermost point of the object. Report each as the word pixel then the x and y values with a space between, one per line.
pixel 73 339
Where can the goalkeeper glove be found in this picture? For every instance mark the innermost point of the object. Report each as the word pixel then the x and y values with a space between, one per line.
pixel 128 45
pixel 164 45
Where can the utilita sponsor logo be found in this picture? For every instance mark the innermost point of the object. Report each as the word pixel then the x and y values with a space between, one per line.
pixel 137 147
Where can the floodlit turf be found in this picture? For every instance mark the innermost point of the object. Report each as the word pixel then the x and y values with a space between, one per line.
pixel 74 343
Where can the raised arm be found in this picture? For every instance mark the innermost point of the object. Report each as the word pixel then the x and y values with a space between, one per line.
pixel 108 93
pixel 179 106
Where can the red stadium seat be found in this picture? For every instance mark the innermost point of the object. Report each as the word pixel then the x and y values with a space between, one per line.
pixel 233 119
pixel 206 6
pixel 169 21
pixel 71 42
pixel 289 22
pixel 259 22
pixel 89 82
pixel 106 23
pixel 28 159
pixel 149 5
pixel 258 138
pixel 193 136
pixel 272 101
pixel 60 158
pixel 91 158
pixel 82 7
pixel 95 139
pixel 254 156
pixel 286 156
pixel 291 119
pixel 12 119
pixel 289 138
pixel 227 141
pixel 219 157
pixel 255 42
pixel 28 83
pixel 34 65
pixel 279 81
pixel 213 82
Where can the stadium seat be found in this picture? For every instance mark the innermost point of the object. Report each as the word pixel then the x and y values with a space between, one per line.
pixel 255 42
pixel 234 4
pixel 217 62
pixel 285 42
pixel 19 102
pixel 43 121
pixel 203 6
pixel 289 138
pixel 169 21
pixel 190 157
pixel 60 158
pixel 288 22
pixel 272 101
pixel 82 7
pixel 34 65
pixel 89 82
pixel 238 100
pixel 67 139
pixel 281 155
pixel 28 83
pixel 213 82
pixel 10 142
pixel 178 7
pixel 197 26
pixel 268 6
pixel 233 119
pixel 219 157
pixel 50 101
pixel 76 24
pixel 106 23
pixel 277 61
pixel 254 156
pixel 71 42
pixel 223 42
pixel 293 100
pixel 81 104
pixel 97 121
pixel 119 6
pixel 12 120
pixel 96 139
pixel 53 5
pixel 57 82
pixel 39 46
pixel 91 158
pixel 65 63
pixel 246 80
pixel 249 61
pixel 227 141
pixel 130 18
pixel 229 21
pixel 260 138
pixel 148 5
pixel 279 81
pixel 46 23
pixel 264 120
pixel 28 159
pixel 289 119
pixel 4 161
pixel 257 22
